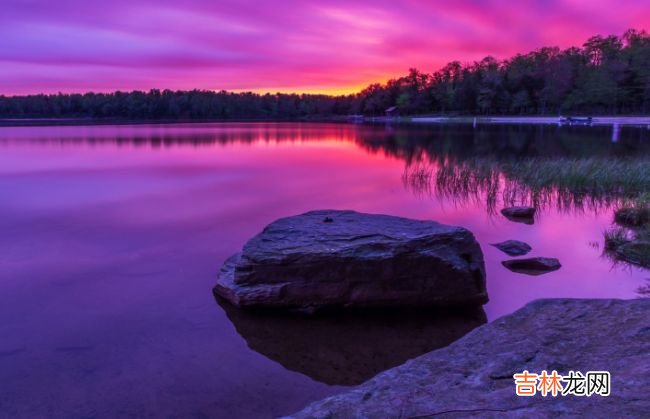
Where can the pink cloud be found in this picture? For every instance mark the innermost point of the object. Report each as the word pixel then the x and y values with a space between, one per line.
pixel 290 45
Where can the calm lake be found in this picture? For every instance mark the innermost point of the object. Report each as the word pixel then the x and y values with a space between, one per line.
pixel 111 237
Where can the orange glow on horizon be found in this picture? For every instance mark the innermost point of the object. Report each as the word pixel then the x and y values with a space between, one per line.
pixel 330 91
pixel 325 90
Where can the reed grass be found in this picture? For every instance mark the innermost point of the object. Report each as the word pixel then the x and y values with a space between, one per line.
pixel 630 240
pixel 569 184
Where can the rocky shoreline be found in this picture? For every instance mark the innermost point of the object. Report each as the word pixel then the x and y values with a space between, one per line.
pixel 474 375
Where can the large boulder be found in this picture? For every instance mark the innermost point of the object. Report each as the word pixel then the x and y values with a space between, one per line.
pixel 345 258
pixel 474 375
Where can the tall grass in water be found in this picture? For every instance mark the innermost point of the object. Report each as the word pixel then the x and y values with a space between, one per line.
pixel 569 184
pixel 593 176
pixel 630 241
pixel 616 237
pixel 634 213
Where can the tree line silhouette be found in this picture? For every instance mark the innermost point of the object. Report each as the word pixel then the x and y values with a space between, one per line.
pixel 607 75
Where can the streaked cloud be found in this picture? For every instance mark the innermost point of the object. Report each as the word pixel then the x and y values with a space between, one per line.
pixel 290 45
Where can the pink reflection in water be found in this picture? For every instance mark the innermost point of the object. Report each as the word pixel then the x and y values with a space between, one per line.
pixel 111 237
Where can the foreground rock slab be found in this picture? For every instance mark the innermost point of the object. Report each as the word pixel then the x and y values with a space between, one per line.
pixel 533 266
pixel 345 258
pixel 513 247
pixel 473 376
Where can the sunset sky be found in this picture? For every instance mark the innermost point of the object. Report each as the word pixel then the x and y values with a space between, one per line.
pixel 330 46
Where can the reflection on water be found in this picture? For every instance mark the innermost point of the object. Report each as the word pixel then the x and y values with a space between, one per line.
pixel 349 348
pixel 595 177
pixel 112 236
pixel 486 185
pixel 466 164
pixel 406 142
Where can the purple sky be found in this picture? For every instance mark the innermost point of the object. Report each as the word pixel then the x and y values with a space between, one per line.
pixel 329 46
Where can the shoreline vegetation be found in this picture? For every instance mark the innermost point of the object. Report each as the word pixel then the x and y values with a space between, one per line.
pixel 629 240
pixel 595 120
pixel 607 75
pixel 605 120
pixel 591 184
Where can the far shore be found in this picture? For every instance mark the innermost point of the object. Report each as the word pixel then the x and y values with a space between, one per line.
pixel 643 121
pixel 596 120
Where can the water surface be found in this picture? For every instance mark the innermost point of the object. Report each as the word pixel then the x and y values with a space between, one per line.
pixel 110 238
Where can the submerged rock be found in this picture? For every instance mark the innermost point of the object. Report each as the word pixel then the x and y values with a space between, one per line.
pixel 474 375
pixel 520 214
pixel 345 258
pixel 513 247
pixel 532 266
pixel 348 348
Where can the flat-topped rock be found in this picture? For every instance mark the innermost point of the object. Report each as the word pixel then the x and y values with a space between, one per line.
pixel 520 214
pixel 513 247
pixel 519 211
pixel 345 258
pixel 473 377
pixel 533 266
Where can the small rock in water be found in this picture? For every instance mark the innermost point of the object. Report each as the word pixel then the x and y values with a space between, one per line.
pixel 520 214
pixel 513 247
pixel 355 260
pixel 533 266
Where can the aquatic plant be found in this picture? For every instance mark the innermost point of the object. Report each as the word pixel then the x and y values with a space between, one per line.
pixel 630 240
pixel 616 237
pixel 570 184
pixel 634 213
pixel 598 177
